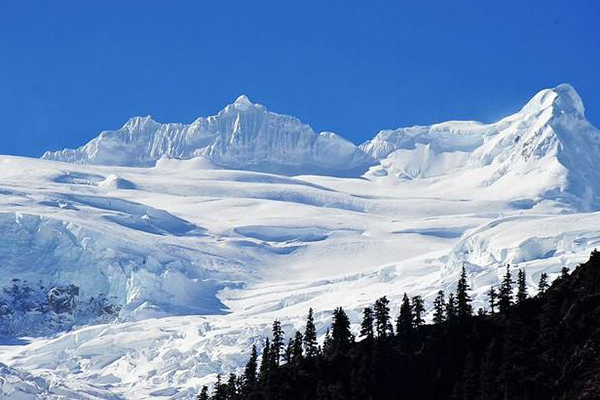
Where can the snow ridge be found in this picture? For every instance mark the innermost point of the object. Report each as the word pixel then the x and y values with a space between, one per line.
pixel 243 135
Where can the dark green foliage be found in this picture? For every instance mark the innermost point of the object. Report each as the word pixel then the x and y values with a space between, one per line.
pixel 492 299
pixel 505 296
pixel 463 301
pixel 543 285
pixel 341 336
pixel 250 373
pixel 383 326
pixel 366 327
pixel 404 323
pixel 203 394
pixel 439 308
pixel 278 341
pixel 546 347
pixel 310 336
pixel 521 286
pixel 418 310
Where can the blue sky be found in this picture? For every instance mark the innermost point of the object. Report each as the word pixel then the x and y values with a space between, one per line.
pixel 70 69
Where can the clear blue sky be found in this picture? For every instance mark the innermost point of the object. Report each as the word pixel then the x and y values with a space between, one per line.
pixel 69 69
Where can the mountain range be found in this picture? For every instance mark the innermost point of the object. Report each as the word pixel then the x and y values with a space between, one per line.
pixel 170 248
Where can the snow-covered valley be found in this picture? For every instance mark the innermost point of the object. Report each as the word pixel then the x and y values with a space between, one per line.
pixel 203 234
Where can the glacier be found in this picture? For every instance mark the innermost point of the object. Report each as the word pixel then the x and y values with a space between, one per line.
pixel 203 234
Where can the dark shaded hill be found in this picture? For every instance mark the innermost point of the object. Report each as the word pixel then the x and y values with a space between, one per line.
pixel 544 347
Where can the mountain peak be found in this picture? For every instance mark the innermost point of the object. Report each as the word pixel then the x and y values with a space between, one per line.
pixel 243 99
pixel 563 98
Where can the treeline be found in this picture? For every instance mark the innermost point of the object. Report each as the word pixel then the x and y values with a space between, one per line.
pixel 522 347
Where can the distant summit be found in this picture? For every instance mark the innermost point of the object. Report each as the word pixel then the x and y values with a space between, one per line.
pixel 243 135
pixel 546 150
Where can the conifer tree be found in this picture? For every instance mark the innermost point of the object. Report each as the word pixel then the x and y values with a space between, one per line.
pixel 220 390
pixel 366 327
pixel 564 272
pixel 463 301
pixel 249 377
pixel 265 363
pixel 404 323
pixel 439 308
pixel 310 336
pixel 505 294
pixel 203 393
pixel 418 309
pixel 451 308
pixel 341 335
pixel 382 317
pixel 231 388
pixel 287 352
pixel 521 286
pixel 277 343
pixel 492 299
pixel 297 347
pixel 543 285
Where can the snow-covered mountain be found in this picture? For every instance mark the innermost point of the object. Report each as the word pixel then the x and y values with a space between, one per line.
pixel 194 254
pixel 546 150
pixel 243 135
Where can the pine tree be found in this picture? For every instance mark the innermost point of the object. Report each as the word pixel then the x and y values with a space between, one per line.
pixel 382 317
pixel 451 308
pixel 310 336
pixel 463 301
pixel 521 286
pixel 439 306
pixel 341 335
pixel 231 388
pixel 404 323
pixel 366 327
pixel 492 299
pixel 418 309
pixel 277 343
pixel 543 285
pixel 564 272
pixel 249 377
pixel 505 293
pixel 203 393
pixel 287 352
pixel 297 347
pixel 265 364
pixel 220 390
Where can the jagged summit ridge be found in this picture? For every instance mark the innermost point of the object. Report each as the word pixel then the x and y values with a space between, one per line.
pixel 244 135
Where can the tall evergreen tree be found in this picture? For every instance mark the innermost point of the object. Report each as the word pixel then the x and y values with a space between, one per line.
pixel 418 310
pixel 451 308
pixel 404 323
pixel 265 364
pixel 505 297
pixel 439 308
pixel 366 327
pixel 382 317
pixel 492 295
pixel 463 301
pixel 521 286
pixel 220 390
pixel 203 393
pixel 231 388
pixel 297 347
pixel 543 285
pixel 249 377
pixel 341 336
pixel 310 336
pixel 278 341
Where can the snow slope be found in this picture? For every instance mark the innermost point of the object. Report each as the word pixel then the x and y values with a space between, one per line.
pixel 243 135
pixel 202 257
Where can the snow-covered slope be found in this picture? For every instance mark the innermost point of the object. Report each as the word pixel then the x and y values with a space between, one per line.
pixel 199 258
pixel 546 150
pixel 243 135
